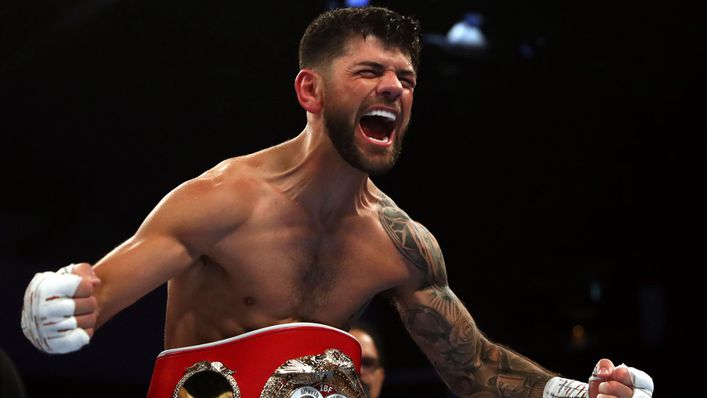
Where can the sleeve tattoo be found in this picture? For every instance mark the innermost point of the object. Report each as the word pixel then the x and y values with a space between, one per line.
pixel 470 364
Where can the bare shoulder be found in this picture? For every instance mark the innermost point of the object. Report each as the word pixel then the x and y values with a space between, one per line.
pixel 415 242
pixel 219 198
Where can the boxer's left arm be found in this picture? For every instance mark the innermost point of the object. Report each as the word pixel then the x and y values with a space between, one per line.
pixel 465 359
pixel 443 328
pixel 439 323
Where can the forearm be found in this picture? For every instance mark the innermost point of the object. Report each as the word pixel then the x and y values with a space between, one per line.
pixel 465 360
pixel 135 268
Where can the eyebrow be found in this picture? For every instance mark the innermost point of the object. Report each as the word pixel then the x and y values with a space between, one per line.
pixel 372 64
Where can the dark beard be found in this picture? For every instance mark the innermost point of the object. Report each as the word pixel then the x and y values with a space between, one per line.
pixel 341 133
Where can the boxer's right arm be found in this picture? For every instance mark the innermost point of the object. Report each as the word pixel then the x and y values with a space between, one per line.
pixel 169 241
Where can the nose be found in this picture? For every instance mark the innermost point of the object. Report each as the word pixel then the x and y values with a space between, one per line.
pixel 390 86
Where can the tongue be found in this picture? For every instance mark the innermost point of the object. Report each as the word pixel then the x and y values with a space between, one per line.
pixel 374 128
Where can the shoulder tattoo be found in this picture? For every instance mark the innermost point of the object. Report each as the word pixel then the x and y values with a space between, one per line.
pixel 414 241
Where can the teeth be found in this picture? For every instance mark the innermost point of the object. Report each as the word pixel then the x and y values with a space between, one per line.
pixel 384 140
pixel 382 113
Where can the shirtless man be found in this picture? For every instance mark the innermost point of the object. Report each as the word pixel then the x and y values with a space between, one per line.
pixel 298 232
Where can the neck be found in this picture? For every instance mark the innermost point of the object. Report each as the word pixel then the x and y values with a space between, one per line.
pixel 320 180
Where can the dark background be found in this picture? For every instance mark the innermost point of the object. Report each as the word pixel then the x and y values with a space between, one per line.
pixel 560 171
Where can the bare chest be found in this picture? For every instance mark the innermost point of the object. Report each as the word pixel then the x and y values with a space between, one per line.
pixel 289 268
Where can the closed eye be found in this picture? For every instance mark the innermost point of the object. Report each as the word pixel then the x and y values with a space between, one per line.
pixel 369 73
pixel 408 83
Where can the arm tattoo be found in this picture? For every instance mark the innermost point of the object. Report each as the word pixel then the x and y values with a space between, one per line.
pixel 414 241
pixel 467 362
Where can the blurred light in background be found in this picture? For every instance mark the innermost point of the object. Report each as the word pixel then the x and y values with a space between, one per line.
pixel 578 331
pixel 465 37
pixel 334 4
pixel 595 290
pixel 356 3
pixel 467 32
pixel 579 337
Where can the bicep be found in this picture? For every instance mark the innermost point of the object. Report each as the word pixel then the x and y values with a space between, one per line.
pixel 164 246
pixel 433 315
pixel 426 294
pixel 428 287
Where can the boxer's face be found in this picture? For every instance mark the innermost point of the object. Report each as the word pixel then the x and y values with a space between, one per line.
pixel 368 95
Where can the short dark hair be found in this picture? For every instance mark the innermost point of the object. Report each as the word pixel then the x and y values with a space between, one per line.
pixel 324 38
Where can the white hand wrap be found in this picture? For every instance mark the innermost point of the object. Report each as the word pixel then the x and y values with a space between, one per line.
pixel 642 383
pixel 559 387
pixel 48 312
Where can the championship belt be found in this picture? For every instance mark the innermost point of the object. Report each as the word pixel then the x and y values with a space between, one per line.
pixel 295 360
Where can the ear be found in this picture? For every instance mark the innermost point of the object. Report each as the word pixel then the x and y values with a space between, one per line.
pixel 307 87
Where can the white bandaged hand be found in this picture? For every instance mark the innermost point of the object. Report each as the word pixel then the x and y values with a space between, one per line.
pixel 642 382
pixel 48 319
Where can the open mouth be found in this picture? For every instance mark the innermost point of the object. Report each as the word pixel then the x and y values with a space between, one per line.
pixel 378 126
